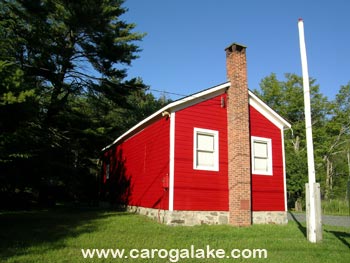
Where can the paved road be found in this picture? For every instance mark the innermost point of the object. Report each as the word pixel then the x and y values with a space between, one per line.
pixel 326 220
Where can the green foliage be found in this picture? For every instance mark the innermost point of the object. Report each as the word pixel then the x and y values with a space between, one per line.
pixel 337 156
pixel 330 124
pixel 17 103
pixel 11 86
pixel 64 94
pixel 335 207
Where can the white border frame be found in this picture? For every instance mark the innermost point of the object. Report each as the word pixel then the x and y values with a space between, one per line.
pixel 270 156
pixel 216 149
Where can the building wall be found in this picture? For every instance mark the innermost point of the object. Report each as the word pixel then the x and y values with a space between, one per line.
pixel 268 190
pixel 199 189
pixel 141 165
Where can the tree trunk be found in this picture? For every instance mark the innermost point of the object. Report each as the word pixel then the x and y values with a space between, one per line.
pixel 296 144
pixel 329 179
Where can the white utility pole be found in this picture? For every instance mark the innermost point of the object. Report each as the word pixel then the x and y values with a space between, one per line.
pixel 313 198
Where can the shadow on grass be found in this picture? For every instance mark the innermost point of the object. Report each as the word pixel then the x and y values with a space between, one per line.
pixel 300 226
pixel 341 236
pixel 45 229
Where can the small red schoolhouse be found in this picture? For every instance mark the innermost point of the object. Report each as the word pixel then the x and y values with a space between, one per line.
pixel 214 157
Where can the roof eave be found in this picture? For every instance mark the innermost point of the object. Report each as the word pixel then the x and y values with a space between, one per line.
pixel 176 105
pixel 274 116
pixel 186 101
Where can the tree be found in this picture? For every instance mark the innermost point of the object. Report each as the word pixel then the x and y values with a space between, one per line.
pixel 17 107
pixel 286 97
pixel 337 156
pixel 68 62
pixel 72 46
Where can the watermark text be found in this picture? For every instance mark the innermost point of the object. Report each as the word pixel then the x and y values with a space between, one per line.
pixel 174 254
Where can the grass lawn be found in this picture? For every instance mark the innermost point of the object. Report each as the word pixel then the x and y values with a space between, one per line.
pixel 59 235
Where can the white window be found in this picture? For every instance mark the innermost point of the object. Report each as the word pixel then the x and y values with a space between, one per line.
pixel 206 150
pixel 261 156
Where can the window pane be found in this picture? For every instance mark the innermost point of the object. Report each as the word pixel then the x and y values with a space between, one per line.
pixel 260 164
pixel 205 142
pixel 260 149
pixel 205 159
pixel 205 152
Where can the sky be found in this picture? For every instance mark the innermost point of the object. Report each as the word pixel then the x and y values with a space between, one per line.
pixel 183 51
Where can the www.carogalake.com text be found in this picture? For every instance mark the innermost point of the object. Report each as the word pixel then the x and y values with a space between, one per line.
pixel 174 254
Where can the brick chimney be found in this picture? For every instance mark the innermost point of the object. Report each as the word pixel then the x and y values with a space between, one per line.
pixel 239 171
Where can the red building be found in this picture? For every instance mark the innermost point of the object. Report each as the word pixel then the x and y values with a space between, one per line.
pixel 215 157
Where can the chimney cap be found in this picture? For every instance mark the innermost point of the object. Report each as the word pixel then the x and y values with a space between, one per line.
pixel 235 46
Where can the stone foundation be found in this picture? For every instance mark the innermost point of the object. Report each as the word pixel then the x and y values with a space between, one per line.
pixel 186 218
pixel 191 218
pixel 270 217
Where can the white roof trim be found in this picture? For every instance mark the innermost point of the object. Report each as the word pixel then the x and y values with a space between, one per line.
pixel 265 110
pixel 207 94
pixel 175 104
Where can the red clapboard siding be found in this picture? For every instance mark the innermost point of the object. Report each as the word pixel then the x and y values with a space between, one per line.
pixel 145 160
pixel 198 189
pixel 268 191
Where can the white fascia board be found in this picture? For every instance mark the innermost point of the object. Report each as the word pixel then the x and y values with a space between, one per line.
pixel 175 106
pixel 269 113
pixel 193 99
pixel 136 127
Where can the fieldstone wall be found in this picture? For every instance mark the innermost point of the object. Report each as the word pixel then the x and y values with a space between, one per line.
pixel 191 218
pixel 186 218
pixel 270 217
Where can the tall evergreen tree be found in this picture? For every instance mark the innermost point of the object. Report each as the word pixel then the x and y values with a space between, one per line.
pixel 69 64
pixel 72 47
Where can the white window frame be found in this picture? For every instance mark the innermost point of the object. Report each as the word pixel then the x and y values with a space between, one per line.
pixel 268 141
pixel 213 133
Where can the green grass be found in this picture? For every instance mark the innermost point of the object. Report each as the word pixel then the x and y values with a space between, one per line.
pixel 59 236
pixel 335 207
